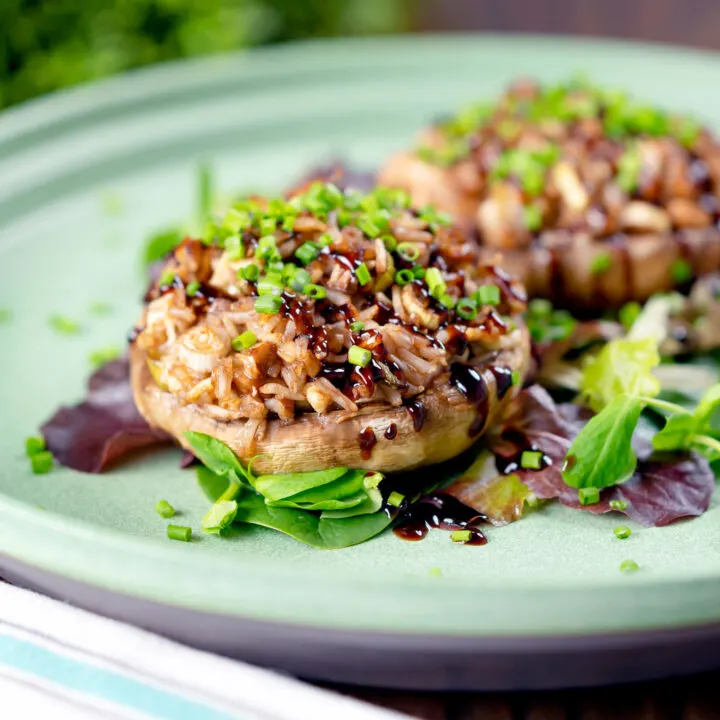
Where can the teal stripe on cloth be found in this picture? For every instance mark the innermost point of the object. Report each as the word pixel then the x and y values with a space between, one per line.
pixel 102 683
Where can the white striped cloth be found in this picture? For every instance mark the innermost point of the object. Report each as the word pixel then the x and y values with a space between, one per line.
pixel 60 662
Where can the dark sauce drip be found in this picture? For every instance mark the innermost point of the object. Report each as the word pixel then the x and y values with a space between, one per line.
pixel 456 343
pixel 443 512
pixel 391 431
pixel 417 413
pixel 367 442
pixel 503 379
pixel 471 383
pixel 336 374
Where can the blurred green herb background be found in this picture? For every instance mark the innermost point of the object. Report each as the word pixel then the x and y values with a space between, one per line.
pixel 51 44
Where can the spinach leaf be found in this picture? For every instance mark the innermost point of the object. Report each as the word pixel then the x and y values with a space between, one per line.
pixel 216 456
pixel 602 453
pixel 212 485
pixel 285 485
pixel 161 244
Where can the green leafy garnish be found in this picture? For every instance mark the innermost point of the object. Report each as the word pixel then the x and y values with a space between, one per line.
pixel 64 325
pixel 602 453
pixel 217 456
pixel 160 244
pixel 221 517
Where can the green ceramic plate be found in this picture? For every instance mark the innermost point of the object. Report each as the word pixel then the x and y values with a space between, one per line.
pixel 86 175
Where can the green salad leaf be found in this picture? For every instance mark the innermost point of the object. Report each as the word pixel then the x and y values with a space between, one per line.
pixel 285 485
pixel 602 453
pixel 220 517
pixel 312 528
pixel 216 456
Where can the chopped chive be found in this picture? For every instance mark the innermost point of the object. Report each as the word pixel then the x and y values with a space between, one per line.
pixel 395 499
pixel 629 313
pixel 367 226
pixel 435 572
pixel 629 166
pixel 466 309
pixel 619 505
pixel 234 247
pixel 97 308
pixel 601 263
pixel 629 566
pixel 531 460
pixel 300 280
pixel 589 496
pixel 357 326
pixel 516 378
pixel 681 272
pixel 389 242
pixel 447 301
pixel 41 463
pixel 363 274
pixel 359 356
pixel 622 532
pixel 435 282
pixel 461 536
pixel 34 445
pixel 236 221
pixel 64 325
pixel 325 240
pixel 288 224
pixel 270 285
pixel 403 277
pixel 307 252
pixel 372 480
pixel 488 295
pixel 220 517
pixel 268 226
pixel 316 292
pixel 192 288
pixel 532 217
pixel 244 340
pixel 268 304
pixel 249 272
pixel 408 251
pixel 540 307
pixel 102 356
pixel 418 272
pixel 167 278
pixel 164 509
pixel 179 532
pixel 267 248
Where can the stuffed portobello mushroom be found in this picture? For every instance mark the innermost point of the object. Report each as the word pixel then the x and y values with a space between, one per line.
pixel 588 197
pixel 331 329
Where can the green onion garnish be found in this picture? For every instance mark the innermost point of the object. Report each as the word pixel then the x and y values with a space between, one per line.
pixel 267 248
pixel 540 307
pixel 435 282
pixel 622 532
pixel 249 272
pixel 589 496
pixel 64 325
pixel 270 285
pixel 359 356
pixel 488 295
pixel 408 251
pixel 41 463
pixel 532 217
pixel 34 445
pixel 102 356
pixel 447 301
pixel 629 314
pixel 164 509
pixel 288 224
pixel 357 326
pixel 192 288
pixel 461 536
pixel 316 292
pixel 220 516
pixel 268 304
pixel 403 277
pixel 395 499
pixel 363 274
pixel 236 220
pixel 244 340
pixel 681 272
pixel 167 278
pixel 389 242
pixel 300 279
pixel 325 240
pixel 367 226
pixel 601 263
pixel 629 166
pixel 516 377
pixel 619 505
pixel 418 272
pixel 466 309
pixel 629 566
pixel 531 460
pixel 234 247
pixel 179 532
pixel 268 226
pixel 307 252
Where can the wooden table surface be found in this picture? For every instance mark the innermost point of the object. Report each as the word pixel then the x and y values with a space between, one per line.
pixel 693 698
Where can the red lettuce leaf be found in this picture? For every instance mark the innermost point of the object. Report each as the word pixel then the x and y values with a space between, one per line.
pixel 104 427
pixel 662 490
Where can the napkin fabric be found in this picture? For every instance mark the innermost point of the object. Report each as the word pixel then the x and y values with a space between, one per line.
pixel 60 662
